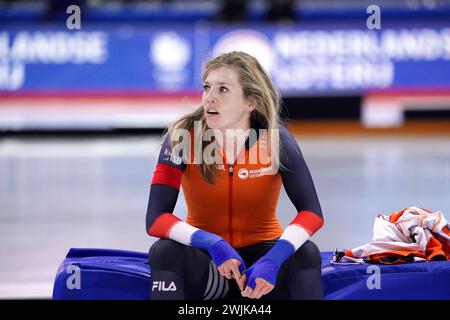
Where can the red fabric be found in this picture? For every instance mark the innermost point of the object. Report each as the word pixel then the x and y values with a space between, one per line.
pixel 167 175
pixel 162 226
pixel 309 221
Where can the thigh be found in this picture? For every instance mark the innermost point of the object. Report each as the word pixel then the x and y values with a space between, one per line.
pixel 190 263
pixel 166 254
pixel 203 280
pixel 299 276
pixel 306 257
pixel 302 278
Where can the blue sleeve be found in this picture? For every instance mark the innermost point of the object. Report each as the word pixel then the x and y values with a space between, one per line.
pixel 296 177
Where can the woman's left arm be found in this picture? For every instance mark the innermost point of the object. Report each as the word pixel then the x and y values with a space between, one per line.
pixel 299 186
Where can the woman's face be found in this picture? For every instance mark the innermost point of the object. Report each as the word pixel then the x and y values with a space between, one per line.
pixel 223 101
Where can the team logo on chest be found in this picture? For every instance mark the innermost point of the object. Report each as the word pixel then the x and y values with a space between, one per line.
pixel 245 173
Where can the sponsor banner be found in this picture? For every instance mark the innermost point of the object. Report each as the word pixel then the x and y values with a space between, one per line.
pixel 308 58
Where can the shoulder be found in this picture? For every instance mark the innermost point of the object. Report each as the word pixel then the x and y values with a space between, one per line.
pixel 289 149
pixel 285 135
pixel 287 140
pixel 169 157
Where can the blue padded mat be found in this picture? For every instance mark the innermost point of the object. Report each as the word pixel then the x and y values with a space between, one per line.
pixel 421 280
pixel 103 274
pixel 120 274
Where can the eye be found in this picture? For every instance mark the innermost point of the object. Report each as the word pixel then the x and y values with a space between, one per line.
pixel 205 87
pixel 223 89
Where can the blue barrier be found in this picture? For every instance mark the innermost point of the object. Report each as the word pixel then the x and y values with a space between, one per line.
pixel 118 274
pixel 303 59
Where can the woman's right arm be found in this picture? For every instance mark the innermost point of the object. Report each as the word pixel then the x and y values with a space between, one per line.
pixel 162 223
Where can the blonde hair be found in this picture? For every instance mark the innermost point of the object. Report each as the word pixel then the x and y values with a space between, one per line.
pixel 255 83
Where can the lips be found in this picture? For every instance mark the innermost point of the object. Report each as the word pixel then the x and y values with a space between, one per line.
pixel 212 116
pixel 211 112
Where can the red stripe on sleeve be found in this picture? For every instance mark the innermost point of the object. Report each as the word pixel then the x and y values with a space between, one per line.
pixel 167 175
pixel 162 225
pixel 309 221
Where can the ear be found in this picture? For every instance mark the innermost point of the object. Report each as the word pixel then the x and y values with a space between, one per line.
pixel 251 103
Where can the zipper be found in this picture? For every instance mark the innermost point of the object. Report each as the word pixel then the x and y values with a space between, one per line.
pixel 230 202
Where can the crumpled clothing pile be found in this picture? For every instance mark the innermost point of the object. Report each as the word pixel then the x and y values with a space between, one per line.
pixel 410 235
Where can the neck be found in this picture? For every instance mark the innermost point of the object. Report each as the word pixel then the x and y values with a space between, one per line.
pixel 231 143
pixel 222 136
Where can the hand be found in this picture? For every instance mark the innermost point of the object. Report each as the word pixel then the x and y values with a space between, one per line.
pixel 262 287
pixel 261 278
pixel 230 270
pixel 228 261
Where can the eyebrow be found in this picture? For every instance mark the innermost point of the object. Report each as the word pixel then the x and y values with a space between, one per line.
pixel 220 83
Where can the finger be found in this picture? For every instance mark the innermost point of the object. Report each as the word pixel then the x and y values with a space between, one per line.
pixel 221 271
pixel 224 272
pixel 260 285
pixel 247 292
pixel 228 275
pixel 269 289
pixel 235 271
pixel 242 281
pixel 256 291
pixel 265 289
pixel 228 272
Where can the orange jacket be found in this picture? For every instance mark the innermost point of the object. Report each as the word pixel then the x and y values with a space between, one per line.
pixel 241 205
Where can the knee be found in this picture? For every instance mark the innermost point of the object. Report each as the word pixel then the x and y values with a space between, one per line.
pixel 308 256
pixel 165 254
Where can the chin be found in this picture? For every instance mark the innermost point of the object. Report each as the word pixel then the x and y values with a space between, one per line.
pixel 212 125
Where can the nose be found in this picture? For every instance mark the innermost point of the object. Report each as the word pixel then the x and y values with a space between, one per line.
pixel 210 96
